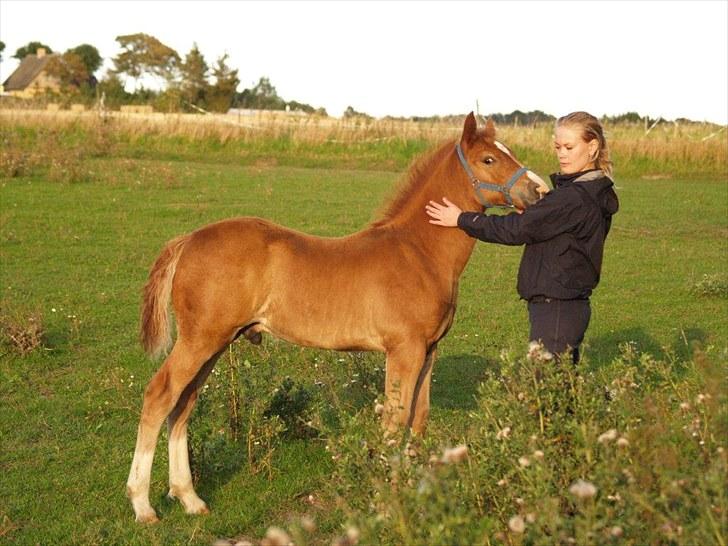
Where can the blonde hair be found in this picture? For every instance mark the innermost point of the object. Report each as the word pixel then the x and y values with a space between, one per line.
pixel 591 129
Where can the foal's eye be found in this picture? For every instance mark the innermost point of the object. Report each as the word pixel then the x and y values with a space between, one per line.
pixel 488 160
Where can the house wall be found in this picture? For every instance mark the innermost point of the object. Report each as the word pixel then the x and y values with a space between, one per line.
pixel 40 84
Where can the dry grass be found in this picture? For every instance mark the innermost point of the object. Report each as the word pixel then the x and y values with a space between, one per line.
pixel 23 333
pixel 666 142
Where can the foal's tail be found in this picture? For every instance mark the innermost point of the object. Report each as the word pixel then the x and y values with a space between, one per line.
pixel 155 331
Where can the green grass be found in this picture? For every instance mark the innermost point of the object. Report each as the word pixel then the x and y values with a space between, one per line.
pixel 78 255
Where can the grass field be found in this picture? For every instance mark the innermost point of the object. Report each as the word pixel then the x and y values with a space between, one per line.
pixel 80 228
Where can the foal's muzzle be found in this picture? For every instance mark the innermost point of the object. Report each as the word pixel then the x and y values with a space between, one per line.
pixel 529 194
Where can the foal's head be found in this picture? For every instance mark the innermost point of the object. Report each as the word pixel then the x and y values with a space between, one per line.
pixel 497 177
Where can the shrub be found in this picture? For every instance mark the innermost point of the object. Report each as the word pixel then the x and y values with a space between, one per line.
pixel 555 454
pixel 712 285
pixel 23 332
pixel 291 403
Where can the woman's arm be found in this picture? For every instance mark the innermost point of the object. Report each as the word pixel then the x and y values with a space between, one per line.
pixel 546 219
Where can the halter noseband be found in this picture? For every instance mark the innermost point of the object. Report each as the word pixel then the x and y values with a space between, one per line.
pixel 479 185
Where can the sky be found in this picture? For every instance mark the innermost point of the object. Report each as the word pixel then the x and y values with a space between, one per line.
pixel 422 58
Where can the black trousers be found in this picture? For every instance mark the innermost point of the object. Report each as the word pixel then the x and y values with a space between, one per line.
pixel 559 324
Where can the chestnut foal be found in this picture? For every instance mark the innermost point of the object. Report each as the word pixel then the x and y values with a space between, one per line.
pixel 391 287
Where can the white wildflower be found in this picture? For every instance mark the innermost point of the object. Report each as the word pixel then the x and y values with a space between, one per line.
pixel 608 436
pixel 614 498
pixel 275 536
pixel 455 455
pixel 308 524
pixel 582 489
pixel 537 352
pixel 503 433
pixel 516 524
pixel 352 533
pixel 622 442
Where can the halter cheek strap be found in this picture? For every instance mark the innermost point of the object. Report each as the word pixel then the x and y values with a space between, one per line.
pixel 479 185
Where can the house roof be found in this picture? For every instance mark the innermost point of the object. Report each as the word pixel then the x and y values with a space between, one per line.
pixel 26 72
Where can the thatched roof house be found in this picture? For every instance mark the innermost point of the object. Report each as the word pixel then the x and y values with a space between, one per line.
pixel 30 78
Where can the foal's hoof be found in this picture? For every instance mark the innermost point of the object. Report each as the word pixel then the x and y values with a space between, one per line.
pixel 196 509
pixel 194 505
pixel 147 517
pixel 201 511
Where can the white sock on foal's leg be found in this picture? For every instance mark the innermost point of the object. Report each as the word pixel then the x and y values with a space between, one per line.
pixel 180 476
pixel 137 486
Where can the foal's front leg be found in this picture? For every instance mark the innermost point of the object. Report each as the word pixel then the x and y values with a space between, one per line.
pixel 422 405
pixel 404 364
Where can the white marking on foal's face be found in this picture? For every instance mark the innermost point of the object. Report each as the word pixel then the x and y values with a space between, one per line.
pixel 542 186
pixel 503 149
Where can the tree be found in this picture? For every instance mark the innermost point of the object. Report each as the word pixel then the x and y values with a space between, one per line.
pixel 223 90
pixel 194 72
pixel 29 49
pixel 145 55
pixel 89 55
pixel 262 96
pixel 351 113
pixel 111 88
pixel 70 71
pixel 523 118
pixel 300 106
pixel 2 48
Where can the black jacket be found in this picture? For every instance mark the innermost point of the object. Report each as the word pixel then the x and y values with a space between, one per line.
pixel 564 235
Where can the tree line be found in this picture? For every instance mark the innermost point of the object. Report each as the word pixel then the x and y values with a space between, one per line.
pixel 186 83
pixel 191 84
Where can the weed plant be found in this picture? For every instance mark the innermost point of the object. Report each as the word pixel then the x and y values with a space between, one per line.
pixel 552 454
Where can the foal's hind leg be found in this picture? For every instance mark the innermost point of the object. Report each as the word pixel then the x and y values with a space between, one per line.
pixel 160 398
pixel 180 476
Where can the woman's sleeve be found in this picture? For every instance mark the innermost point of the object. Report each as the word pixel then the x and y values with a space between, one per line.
pixel 545 220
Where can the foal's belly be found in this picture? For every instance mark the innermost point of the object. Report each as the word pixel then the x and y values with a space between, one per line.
pixel 323 340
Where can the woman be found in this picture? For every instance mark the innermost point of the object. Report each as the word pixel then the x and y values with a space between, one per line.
pixel 564 234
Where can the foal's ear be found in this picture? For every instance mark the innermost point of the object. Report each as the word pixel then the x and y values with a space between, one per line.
pixel 489 129
pixel 469 129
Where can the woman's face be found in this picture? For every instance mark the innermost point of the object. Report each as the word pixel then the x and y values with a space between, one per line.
pixel 573 153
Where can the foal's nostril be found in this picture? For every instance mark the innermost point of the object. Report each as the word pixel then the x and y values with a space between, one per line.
pixel 530 195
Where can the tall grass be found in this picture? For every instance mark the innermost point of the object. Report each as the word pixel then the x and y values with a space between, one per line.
pixel 668 150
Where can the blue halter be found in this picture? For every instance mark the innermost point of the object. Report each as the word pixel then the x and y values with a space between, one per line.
pixel 479 185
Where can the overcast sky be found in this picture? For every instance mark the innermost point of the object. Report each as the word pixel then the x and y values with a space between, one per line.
pixel 657 58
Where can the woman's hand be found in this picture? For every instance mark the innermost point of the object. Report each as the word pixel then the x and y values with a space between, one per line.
pixel 443 215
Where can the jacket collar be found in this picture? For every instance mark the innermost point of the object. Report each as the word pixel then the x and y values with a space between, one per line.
pixel 559 179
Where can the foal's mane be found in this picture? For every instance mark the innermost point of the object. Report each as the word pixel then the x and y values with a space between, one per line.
pixel 410 184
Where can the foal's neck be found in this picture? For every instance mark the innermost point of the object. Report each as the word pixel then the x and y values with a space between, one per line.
pixel 449 248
